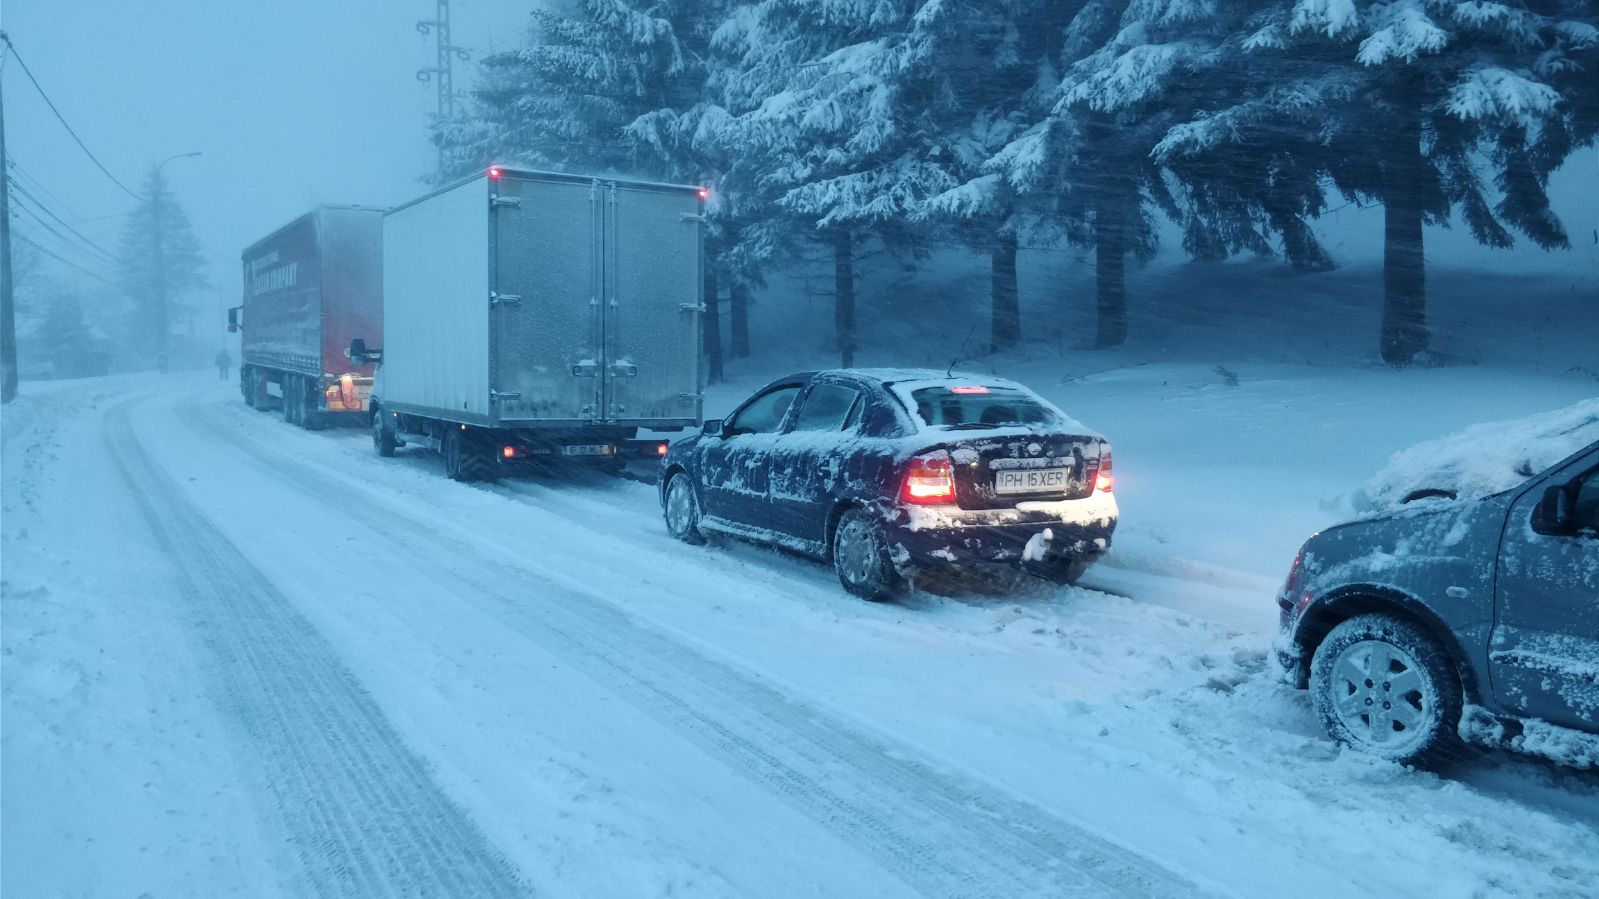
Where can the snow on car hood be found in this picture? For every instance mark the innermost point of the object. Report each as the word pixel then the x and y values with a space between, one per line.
pixel 1483 459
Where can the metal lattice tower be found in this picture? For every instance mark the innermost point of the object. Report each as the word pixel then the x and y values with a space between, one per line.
pixel 442 74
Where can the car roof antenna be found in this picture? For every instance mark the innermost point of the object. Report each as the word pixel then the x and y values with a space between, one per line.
pixel 950 372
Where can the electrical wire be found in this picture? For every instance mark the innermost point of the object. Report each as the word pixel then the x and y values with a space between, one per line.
pixel 63 260
pixel 34 207
pixel 62 119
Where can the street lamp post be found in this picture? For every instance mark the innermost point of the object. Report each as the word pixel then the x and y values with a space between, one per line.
pixel 162 324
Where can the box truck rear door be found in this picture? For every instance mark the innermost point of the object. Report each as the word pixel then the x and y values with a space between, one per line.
pixel 545 296
pixel 653 296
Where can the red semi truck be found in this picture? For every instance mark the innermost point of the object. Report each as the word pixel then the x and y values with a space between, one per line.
pixel 309 287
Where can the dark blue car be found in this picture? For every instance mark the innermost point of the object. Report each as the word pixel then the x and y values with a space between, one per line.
pixel 890 474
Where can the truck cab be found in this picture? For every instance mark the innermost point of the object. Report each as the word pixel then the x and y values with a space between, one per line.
pixel 1451 621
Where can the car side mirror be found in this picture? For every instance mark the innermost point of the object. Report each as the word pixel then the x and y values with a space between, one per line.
pixel 712 427
pixel 233 320
pixel 360 355
pixel 1553 514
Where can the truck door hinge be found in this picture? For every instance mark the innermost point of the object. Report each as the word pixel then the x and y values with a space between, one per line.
pixel 696 309
pixel 624 370
pixel 497 200
pixel 690 217
pixel 588 368
pixel 510 299
pixel 505 395
pixel 691 397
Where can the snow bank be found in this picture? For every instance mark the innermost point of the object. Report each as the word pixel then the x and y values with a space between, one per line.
pixel 1484 459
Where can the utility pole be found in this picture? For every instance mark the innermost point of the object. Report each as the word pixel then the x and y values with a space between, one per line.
pixel 442 74
pixel 157 207
pixel 8 316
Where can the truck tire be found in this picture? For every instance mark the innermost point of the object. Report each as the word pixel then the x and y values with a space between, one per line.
pixel 860 558
pixel 289 402
pixel 247 385
pixel 1382 685
pixel 383 439
pixel 466 456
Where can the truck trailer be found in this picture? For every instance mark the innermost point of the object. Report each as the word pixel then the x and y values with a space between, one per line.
pixel 309 288
pixel 531 316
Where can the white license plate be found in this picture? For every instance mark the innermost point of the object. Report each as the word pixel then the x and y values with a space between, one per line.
pixel 1031 480
pixel 594 449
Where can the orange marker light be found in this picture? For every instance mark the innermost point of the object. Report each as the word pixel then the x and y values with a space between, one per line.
pixel 509 452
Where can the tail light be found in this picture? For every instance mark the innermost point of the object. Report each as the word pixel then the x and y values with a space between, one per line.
pixel 930 480
pixel 508 452
pixel 660 449
pixel 1104 481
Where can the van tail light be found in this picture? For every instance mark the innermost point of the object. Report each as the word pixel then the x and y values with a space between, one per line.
pixel 930 480
pixel 1104 482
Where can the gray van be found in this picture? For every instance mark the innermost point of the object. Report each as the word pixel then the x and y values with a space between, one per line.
pixel 1450 621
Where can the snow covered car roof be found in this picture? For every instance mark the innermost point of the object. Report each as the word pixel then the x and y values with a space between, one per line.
pixel 1484 459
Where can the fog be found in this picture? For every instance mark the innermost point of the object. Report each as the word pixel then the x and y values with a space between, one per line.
pixel 292 104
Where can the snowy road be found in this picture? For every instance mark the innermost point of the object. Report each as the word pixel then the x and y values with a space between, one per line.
pixel 265 660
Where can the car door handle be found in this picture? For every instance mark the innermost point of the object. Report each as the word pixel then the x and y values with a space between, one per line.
pixel 1457 592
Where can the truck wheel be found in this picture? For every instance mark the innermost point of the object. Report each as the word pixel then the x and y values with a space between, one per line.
pixel 682 510
pixel 1382 685
pixel 290 412
pixel 382 438
pixel 860 558
pixel 466 457
pixel 247 385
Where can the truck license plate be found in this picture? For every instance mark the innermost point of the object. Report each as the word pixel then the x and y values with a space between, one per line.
pixel 589 449
pixel 1031 480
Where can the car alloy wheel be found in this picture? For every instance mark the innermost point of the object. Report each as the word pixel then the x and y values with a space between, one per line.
pixel 683 510
pixel 1379 695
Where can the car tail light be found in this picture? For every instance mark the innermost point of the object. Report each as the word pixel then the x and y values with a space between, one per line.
pixel 930 480
pixel 1104 482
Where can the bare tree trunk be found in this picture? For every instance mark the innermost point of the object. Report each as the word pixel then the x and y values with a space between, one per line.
pixel 1110 270
pixel 738 294
pixel 844 296
pixel 1006 325
pixel 1404 275
pixel 711 323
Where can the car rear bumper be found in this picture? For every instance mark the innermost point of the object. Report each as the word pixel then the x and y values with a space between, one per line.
pixel 1033 532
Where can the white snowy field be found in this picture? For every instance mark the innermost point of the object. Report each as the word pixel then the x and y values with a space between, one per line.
pixel 244 659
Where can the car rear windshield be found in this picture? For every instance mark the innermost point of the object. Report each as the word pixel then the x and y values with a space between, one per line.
pixel 978 407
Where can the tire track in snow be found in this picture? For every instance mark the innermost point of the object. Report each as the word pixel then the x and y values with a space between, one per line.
pixel 362 813
pixel 943 833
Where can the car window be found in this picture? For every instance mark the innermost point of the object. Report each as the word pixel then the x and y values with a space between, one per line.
pixel 980 407
pixel 828 407
pixel 764 414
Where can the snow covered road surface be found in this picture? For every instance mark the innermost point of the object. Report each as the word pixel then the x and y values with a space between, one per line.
pixel 584 707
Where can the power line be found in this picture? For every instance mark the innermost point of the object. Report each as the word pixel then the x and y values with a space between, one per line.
pixel 62 119
pixel 17 171
pixel 86 242
pixel 67 244
pixel 63 260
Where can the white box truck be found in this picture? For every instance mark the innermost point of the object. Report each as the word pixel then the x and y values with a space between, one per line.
pixel 533 315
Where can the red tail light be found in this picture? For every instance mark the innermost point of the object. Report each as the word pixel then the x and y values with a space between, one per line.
pixel 930 480
pixel 1104 482
pixel 508 452
pixel 660 449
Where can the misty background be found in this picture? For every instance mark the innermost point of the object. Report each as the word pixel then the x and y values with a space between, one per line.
pixel 294 104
